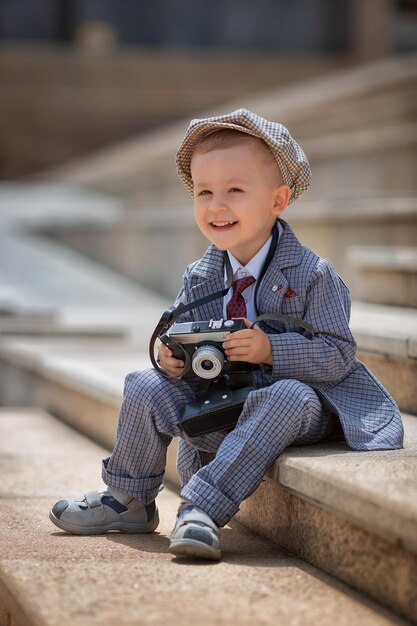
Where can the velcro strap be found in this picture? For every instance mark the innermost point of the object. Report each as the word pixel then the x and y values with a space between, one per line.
pixel 93 499
pixel 194 516
pixel 95 505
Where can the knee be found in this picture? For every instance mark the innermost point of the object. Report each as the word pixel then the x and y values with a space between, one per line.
pixel 152 389
pixel 290 397
pixel 293 391
pixel 141 384
pixel 135 381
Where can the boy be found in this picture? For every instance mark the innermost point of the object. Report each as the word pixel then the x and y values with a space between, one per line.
pixel 243 171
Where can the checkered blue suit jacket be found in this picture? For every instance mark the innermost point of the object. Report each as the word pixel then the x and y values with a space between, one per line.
pixel 300 283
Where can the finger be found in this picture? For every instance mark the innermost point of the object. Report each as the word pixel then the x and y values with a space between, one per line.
pixel 240 352
pixel 239 357
pixel 247 322
pixel 239 334
pixel 172 362
pixel 173 371
pixel 176 363
pixel 243 343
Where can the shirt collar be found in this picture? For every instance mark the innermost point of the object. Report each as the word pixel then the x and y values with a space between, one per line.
pixel 254 267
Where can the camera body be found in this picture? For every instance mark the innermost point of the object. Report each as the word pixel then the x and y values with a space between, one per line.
pixel 199 344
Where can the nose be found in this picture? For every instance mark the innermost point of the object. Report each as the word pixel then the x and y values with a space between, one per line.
pixel 217 203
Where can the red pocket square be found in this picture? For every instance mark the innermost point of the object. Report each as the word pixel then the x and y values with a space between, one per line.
pixel 290 293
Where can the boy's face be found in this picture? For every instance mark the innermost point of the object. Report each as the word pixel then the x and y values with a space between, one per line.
pixel 238 195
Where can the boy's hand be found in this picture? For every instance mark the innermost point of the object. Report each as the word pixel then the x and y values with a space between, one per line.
pixel 251 345
pixel 171 366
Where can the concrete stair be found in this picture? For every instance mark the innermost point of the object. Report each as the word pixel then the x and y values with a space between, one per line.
pixel 47 288
pixel 48 577
pixel 385 274
pixel 74 104
pixel 330 227
pixel 357 126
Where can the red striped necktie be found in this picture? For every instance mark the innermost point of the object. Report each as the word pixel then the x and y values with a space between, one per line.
pixel 236 307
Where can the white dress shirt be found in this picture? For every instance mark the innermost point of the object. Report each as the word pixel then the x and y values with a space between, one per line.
pixel 253 268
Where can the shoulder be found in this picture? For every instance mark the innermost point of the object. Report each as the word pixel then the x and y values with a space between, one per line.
pixel 209 265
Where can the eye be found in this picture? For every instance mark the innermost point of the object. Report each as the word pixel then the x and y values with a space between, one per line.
pixel 204 192
pixel 236 189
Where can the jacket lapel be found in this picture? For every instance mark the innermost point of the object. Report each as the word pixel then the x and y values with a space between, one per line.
pixel 272 289
pixel 213 309
pixel 207 277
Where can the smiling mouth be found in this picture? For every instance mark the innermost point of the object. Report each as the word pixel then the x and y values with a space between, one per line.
pixel 223 225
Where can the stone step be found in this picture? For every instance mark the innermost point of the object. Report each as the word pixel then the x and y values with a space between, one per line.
pixel 358 152
pixel 124 92
pixel 48 577
pixel 68 294
pixel 374 108
pixel 345 163
pixel 329 227
pixel 384 274
pixel 332 227
pixel 387 343
pixel 335 508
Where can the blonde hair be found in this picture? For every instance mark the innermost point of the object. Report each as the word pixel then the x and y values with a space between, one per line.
pixel 227 138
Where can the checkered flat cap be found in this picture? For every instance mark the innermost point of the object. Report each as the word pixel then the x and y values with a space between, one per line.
pixel 292 161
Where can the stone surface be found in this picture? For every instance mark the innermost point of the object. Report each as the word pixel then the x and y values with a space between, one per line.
pixel 399 376
pixel 48 577
pixel 311 109
pixel 384 329
pixel 384 274
pixel 328 226
pixel 380 569
pixel 30 205
pixel 376 490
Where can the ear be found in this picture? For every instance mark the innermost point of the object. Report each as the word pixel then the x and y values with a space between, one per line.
pixel 281 199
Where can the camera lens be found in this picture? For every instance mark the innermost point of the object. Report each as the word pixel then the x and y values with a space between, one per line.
pixel 207 361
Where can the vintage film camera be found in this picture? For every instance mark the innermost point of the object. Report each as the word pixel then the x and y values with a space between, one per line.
pixel 224 385
pixel 199 345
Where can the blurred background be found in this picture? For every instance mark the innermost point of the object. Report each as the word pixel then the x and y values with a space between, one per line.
pixel 79 75
pixel 96 230
pixel 95 97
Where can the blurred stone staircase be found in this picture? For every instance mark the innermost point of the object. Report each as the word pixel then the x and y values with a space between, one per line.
pixel 75 103
pixel 353 515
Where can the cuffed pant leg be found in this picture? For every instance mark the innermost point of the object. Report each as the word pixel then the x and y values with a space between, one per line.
pixel 149 415
pixel 287 412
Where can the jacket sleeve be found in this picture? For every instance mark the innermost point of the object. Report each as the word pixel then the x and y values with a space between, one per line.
pixel 329 355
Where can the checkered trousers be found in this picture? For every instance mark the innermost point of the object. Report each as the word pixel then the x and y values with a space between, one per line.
pixel 274 417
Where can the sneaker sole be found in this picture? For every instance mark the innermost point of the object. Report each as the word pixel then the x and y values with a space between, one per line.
pixel 123 527
pixel 191 547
